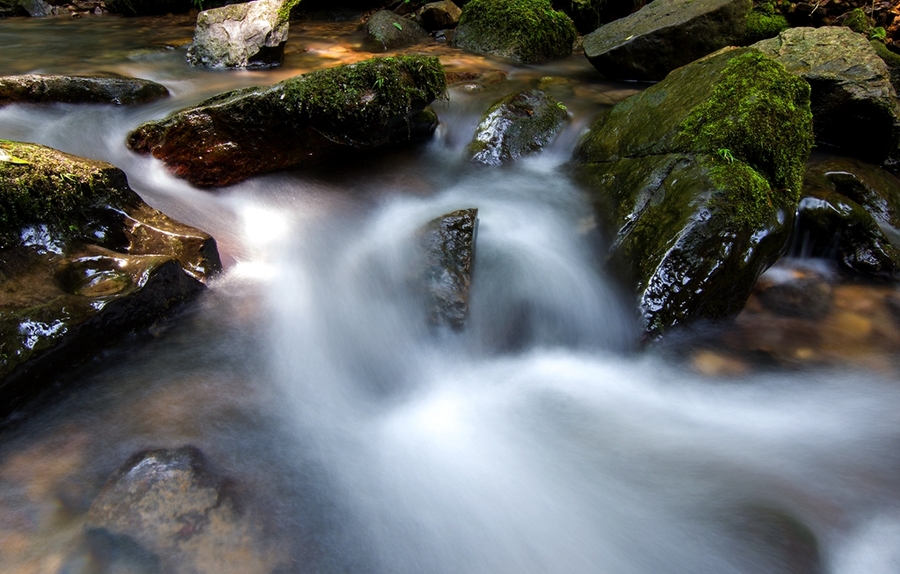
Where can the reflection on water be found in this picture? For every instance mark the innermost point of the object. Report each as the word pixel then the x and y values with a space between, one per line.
pixel 539 440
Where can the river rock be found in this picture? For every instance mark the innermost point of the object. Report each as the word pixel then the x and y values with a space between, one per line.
pixel 440 15
pixel 448 243
pixel 171 505
pixel 519 124
pixel 247 35
pixel 527 31
pixel 299 122
pixel 696 181
pixel 36 8
pixel 39 89
pixel 851 210
pixel 83 261
pixel 853 102
pixel 665 35
pixel 388 31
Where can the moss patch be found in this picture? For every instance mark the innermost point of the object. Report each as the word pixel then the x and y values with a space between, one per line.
pixel 40 185
pixel 762 25
pixel 760 114
pixel 528 31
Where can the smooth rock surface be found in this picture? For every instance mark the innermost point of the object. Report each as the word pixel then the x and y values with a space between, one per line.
pixel 388 31
pixel 301 121
pixel 853 102
pixel 247 35
pixel 448 243
pixel 39 89
pixel 440 15
pixel 664 35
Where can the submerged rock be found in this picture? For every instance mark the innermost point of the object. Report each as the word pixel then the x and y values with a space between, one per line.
pixel 440 15
pixel 851 211
pixel 299 122
pixel 41 89
pixel 183 517
pixel 853 102
pixel 665 35
pixel 528 31
pixel 83 261
pixel 246 35
pixel 697 179
pixel 449 246
pixel 519 124
pixel 387 31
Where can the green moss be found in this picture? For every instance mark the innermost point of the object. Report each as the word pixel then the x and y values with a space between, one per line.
pixel 858 21
pixel 768 127
pixel 49 187
pixel 891 59
pixel 763 25
pixel 747 195
pixel 529 31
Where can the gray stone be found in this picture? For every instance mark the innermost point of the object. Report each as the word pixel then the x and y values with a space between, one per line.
pixel 251 34
pixel 853 102
pixel 448 243
pixel 664 35
pixel 440 15
pixel 388 31
pixel 37 88
pixel 36 8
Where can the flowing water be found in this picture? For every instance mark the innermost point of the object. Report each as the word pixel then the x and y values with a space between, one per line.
pixel 540 439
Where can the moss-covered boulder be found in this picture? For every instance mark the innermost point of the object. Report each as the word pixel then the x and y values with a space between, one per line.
pixel 696 181
pixel 448 246
pixel 244 35
pixel 83 261
pixel 388 31
pixel 850 210
pixel 763 23
pixel 301 121
pixel 853 102
pixel 664 35
pixel 41 89
pixel 517 125
pixel 527 31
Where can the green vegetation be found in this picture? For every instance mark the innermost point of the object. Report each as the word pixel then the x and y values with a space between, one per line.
pixel 761 114
pixel 762 25
pixel 528 31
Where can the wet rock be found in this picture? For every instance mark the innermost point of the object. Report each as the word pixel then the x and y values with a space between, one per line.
pixel 449 247
pixel 696 181
pixel 851 211
pixel 246 35
pixel 388 31
pixel 518 125
pixel 794 292
pixel 36 8
pixel 440 15
pixel 174 508
pixel 527 31
pixel 39 89
pixel 299 122
pixel 149 7
pixel 665 35
pixel 787 544
pixel 83 261
pixel 853 102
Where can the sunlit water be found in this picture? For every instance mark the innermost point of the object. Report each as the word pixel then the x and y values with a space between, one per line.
pixel 541 439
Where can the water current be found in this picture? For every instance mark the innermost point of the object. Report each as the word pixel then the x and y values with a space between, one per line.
pixel 540 439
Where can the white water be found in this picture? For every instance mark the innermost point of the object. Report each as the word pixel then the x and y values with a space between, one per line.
pixel 538 440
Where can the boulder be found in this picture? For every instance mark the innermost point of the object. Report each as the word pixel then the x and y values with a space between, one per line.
pixel 527 31
pixel 39 89
pixel 517 125
pixel 387 31
pixel 299 122
pixel 448 244
pixel 247 35
pixel 440 15
pixel 853 102
pixel 149 7
pixel 83 261
pixel 665 35
pixel 850 210
pixel 184 517
pixel 696 181
pixel 36 8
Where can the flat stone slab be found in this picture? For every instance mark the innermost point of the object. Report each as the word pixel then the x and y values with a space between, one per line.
pixel 42 89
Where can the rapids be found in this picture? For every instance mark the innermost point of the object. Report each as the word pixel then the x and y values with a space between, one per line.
pixel 541 439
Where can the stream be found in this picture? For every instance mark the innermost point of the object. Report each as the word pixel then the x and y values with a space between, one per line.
pixel 542 438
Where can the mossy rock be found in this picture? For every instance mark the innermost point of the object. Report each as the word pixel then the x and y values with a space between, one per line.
pixel 527 31
pixel 83 261
pixel 302 121
pixel 517 125
pixel 387 31
pixel 665 35
pixel 762 25
pixel 39 89
pixel 891 60
pixel 696 180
